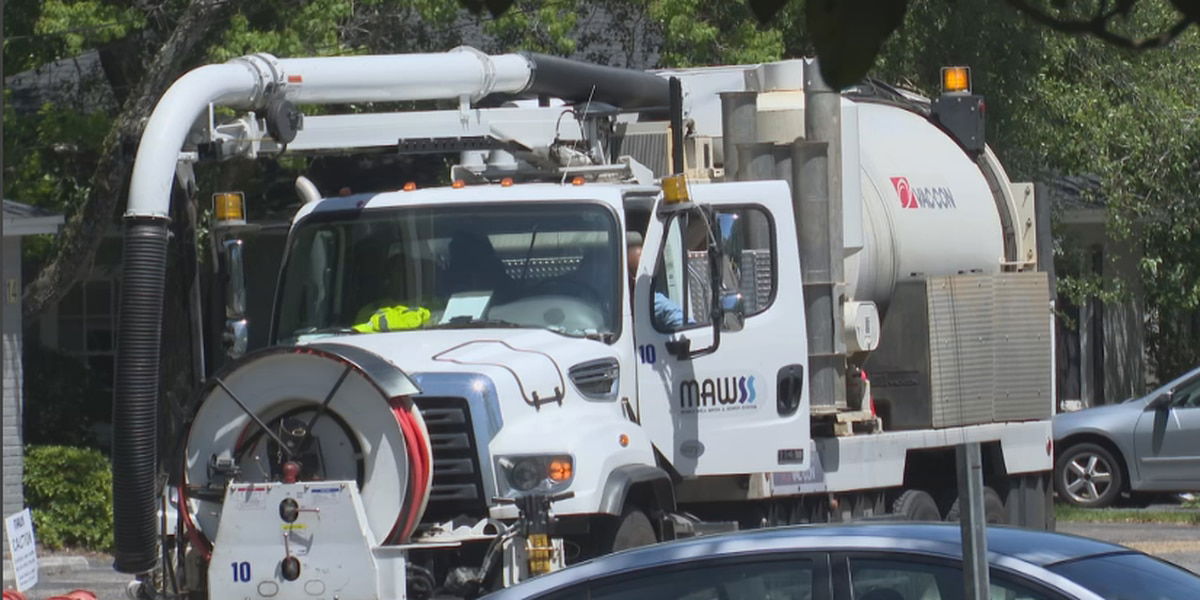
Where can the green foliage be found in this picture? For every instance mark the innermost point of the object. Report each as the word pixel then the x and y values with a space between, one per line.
pixel 714 32
pixel 50 155
pixel 538 26
pixel 285 29
pixel 36 33
pixel 1064 512
pixel 85 24
pixel 70 493
pixel 49 159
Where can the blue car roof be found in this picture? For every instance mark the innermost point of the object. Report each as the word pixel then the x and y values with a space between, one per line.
pixel 939 539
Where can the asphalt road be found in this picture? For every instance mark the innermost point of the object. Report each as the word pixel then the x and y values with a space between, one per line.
pixel 1179 544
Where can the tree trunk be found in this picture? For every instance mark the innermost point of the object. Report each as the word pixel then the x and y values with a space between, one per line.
pixel 84 230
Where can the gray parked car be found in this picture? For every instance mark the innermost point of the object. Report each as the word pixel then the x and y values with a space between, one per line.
pixel 1147 444
pixel 876 561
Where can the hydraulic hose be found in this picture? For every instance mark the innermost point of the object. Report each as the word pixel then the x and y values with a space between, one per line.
pixel 579 82
pixel 135 408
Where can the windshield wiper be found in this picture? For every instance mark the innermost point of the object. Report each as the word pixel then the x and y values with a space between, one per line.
pixel 331 330
pixel 465 322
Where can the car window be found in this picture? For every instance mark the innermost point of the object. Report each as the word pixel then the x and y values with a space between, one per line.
pixel 1131 576
pixel 911 579
pixel 782 579
pixel 1187 395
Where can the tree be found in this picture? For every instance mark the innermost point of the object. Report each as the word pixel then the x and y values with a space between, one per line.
pixel 1055 87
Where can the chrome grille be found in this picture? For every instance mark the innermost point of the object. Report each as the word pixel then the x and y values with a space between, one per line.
pixel 596 378
pixel 457 483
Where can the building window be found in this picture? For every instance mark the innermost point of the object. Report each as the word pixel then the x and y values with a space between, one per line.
pixel 86 324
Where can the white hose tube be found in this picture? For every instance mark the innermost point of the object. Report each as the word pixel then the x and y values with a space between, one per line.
pixel 244 82
pixel 184 102
pixel 460 72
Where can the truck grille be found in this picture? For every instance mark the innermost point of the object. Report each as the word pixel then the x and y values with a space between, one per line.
pixel 457 484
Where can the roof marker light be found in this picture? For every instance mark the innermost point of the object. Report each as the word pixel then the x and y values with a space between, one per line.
pixel 577 180
pixel 409 186
pixel 458 184
pixel 506 182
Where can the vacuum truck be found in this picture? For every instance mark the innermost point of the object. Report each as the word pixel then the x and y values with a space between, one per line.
pixel 647 305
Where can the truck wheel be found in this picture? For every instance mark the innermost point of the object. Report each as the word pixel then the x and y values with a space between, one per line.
pixel 994 512
pixel 1088 475
pixel 916 505
pixel 632 530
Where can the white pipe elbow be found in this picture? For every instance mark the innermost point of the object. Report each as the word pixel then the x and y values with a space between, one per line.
pixel 230 84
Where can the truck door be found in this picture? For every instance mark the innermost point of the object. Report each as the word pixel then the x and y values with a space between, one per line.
pixel 734 400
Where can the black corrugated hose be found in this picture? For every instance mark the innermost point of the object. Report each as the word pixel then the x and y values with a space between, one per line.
pixel 579 82
pixel 135 399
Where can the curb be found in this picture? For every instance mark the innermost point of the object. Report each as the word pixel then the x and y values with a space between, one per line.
pixel 48 566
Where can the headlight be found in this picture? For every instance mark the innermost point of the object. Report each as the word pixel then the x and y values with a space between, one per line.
pixel 535 473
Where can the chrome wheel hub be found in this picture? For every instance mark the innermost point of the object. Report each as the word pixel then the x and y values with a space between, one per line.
pixel 1088 478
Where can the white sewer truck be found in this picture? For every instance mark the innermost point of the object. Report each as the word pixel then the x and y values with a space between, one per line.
pixel 472 384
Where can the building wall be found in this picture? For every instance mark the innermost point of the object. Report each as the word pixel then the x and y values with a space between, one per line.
pixel 1124 328
pixel 1102 355
pixel 13 454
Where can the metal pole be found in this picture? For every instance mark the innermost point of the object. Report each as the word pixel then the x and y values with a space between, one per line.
pixel 739 125
pixel 756 162
pixel 817 197
pixel 676 98
pixel 972 521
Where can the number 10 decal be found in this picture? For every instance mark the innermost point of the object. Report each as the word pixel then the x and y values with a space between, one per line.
pixel 241 572
pixel 647 354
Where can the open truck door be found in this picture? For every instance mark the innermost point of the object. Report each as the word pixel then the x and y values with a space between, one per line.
pixel 721 365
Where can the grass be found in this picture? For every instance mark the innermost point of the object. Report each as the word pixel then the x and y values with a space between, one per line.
pixel 1128 515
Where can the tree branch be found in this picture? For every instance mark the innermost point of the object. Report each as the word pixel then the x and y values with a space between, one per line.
pixel 1098 25
pixel 85 229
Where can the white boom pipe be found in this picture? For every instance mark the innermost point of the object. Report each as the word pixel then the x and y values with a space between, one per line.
pixel 245 83
pixel 184 102
pixel 403 77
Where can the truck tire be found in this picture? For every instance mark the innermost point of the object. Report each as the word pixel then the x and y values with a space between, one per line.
pixel 916 505
pixel 994 512
pixel 1088 475
pixel 632 530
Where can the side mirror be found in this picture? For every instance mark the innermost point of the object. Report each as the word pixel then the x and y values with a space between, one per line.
pixel 733 311
pixel 236 334
pixel 236 337
pixel 235 279
pixel 1162 400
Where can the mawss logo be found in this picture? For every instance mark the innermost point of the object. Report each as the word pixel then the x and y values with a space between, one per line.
pixel 717 394
pixel 922 197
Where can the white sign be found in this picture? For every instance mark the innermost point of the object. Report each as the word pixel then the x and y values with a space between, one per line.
pixel 19 527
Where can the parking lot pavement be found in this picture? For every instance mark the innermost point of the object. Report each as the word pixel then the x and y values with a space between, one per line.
pixel 1179 544
pixel 61 574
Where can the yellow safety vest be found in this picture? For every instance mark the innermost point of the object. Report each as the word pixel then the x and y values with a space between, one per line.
pixel 394 318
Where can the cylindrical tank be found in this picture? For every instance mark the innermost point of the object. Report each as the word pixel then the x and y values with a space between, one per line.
pixel 927 209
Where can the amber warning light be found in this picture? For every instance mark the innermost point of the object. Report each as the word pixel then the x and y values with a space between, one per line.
pixel 229 208
pixel 956 80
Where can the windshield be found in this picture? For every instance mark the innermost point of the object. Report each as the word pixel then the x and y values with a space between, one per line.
pixel 551 266
pixel 1131 576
